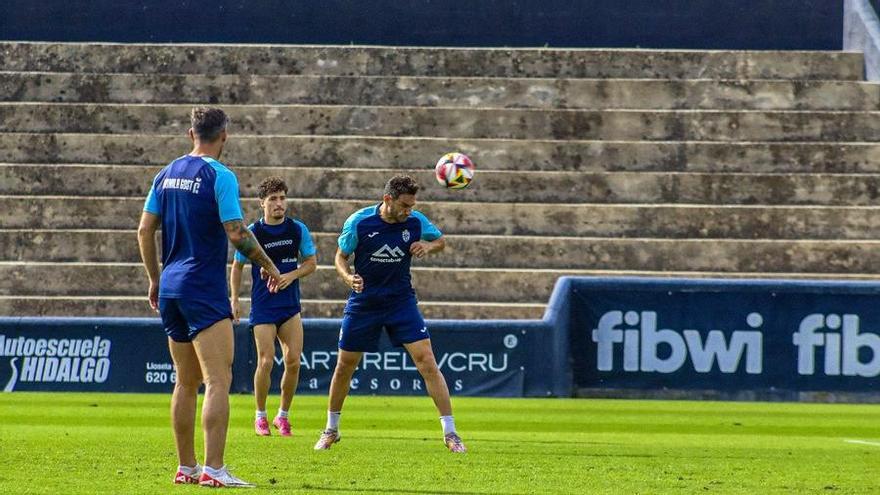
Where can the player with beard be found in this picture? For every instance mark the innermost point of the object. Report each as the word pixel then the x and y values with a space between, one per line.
pixel 383 239
pixel 195 200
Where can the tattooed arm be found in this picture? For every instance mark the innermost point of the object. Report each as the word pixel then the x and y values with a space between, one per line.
pixel 235 287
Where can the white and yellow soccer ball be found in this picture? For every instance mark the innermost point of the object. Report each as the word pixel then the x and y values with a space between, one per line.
pixel 454 171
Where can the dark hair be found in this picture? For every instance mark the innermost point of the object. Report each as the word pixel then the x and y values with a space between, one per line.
pixel 272 185
pixel 208 123
pixel 401 184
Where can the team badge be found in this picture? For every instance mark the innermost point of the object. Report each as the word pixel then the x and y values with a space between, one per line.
pixel 405 235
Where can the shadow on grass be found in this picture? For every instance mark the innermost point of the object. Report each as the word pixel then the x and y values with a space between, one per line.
pixel 622 456
pixel 500 440
pixel 398 490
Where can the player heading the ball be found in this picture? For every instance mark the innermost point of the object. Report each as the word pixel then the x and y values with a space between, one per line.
pixel 384 238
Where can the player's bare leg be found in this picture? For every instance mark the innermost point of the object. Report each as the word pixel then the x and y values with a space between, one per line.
pixel 264 340
pixel 183 408
pixel 423 357
pixel 290 335
pixel 214 347
pixel 346 364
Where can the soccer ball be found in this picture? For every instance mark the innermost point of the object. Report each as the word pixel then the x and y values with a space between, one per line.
pixel 454 170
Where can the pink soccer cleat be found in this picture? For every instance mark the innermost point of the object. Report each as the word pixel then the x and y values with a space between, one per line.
pixel 283 426
pixel 454 443
pixel 261 426
pixel 192 478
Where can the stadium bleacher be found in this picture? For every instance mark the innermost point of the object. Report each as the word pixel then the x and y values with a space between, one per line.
pixel 643 162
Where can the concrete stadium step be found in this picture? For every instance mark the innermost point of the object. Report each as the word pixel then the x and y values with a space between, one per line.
pixel 424 61
pixel 526 252
pixel 650 125
pixel 490 154
pixel 133 306
pixel 431 284
pixel 488 186
pixel 435 91
pixel 537 219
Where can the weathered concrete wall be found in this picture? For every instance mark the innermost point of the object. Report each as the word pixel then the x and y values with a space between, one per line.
pixel 590 162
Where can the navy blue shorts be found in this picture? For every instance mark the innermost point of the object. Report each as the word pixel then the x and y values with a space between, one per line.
pixel 183 319
pixel 273 316
pixel 362 327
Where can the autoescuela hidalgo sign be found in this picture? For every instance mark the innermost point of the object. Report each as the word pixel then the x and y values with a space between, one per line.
pixel 55 360
pixel 79 354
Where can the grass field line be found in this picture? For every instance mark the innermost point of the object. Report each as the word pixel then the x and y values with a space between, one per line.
pixel 862 442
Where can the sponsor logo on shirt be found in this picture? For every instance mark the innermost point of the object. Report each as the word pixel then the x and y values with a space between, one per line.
pixel 285 242
pixel 188 185
pixel 387 254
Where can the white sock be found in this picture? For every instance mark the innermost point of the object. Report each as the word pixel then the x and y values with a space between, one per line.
pixel 261 414
pixel 188 470
pixel 448 424
pixel 215 472
pixel 282 413
pixel 333 420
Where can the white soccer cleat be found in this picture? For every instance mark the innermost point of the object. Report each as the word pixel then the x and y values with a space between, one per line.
pixel 223 480
pixel 328 438
pixel 454 444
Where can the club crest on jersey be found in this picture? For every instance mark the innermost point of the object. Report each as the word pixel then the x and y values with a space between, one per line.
pixel 405 235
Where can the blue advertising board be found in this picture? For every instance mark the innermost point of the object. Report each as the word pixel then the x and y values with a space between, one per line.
pixel 494 358
pixel 725 335
pixel 608 334
pixel 83 354
pixel 475 359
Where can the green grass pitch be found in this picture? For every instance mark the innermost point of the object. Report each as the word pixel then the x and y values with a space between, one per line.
pixel 121 443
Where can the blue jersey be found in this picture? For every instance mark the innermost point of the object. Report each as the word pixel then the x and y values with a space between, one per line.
pixel 194 196
pixel 381 252
pixel 282 244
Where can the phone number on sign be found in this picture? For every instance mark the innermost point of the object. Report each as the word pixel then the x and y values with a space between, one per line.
pixel 160 377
